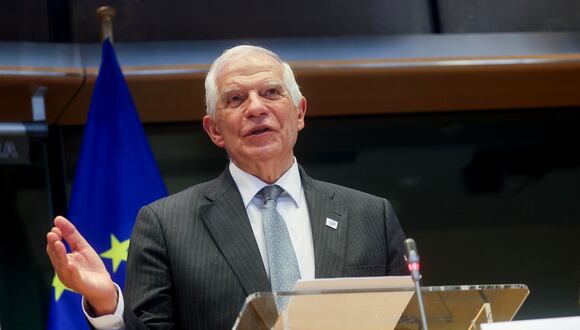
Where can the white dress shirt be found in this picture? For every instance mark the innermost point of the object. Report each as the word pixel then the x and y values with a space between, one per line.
pixel 292 207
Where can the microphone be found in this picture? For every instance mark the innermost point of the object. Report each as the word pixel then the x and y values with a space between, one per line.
pixel 412 259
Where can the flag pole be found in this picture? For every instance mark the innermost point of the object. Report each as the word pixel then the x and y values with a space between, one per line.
pixel 106 15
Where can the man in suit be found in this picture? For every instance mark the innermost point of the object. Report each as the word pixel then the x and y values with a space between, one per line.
pixel 196 255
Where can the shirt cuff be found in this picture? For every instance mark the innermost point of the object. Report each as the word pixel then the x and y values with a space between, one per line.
pixel 110 321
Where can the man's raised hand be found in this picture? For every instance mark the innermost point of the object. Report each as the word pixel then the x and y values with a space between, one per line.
pixel 81 270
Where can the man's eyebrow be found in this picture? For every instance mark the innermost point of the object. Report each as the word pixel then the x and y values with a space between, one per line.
pixel 230 90
pixel 268 84
pixel 274 83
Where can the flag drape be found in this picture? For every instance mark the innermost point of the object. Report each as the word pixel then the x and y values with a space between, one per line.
pixel 116 175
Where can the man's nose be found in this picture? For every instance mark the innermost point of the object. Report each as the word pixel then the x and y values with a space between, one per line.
pixel 256 106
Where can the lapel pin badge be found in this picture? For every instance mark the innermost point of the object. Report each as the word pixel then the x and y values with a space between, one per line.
pixel 331 223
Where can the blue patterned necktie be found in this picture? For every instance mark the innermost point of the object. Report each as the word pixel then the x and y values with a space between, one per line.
pixel 282 263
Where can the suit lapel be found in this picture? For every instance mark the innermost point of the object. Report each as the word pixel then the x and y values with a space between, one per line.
pixel 329 243
pixel 226 219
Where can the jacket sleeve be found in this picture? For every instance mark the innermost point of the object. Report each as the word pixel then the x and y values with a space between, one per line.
pixel 396 264
pixel 149 293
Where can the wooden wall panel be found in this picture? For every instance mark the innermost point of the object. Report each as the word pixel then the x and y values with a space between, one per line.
pixel 332 89
pixel 16 92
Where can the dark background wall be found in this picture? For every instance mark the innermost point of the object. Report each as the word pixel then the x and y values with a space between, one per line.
pixel 491 197
pixel 141 20
pixel 475 16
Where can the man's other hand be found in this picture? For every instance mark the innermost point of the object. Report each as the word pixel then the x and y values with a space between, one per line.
pixel 81 270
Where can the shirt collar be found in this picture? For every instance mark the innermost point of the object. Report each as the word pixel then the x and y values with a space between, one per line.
pixel 249 185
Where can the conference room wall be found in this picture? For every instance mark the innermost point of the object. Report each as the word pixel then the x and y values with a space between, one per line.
pixel 476 16
pixel 196 20
pixel 26 20
pixel 75 21
pixel 25 272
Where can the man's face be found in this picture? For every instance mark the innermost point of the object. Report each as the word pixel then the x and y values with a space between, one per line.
pixel 255 120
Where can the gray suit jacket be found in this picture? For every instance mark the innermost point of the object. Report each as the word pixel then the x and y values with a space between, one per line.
pixel 193 258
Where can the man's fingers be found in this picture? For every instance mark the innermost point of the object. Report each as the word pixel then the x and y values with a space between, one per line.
pixel 52 237
pixel 51 240
pixel 70 233
pixel 57 232
pixel 56 250
pixel 75 275
pixel 57 255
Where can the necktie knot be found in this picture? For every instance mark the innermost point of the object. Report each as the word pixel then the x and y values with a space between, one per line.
pixel 271 193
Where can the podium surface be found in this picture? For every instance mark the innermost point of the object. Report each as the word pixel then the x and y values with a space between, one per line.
pixel 447 307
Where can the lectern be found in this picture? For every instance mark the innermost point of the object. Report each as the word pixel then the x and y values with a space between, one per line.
pixel 447 307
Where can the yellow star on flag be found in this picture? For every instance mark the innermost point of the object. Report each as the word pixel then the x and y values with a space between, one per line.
pixel 117 252
pixel 58 288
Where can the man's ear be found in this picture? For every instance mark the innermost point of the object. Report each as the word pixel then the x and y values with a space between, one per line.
pixel 301 112
pixel 210 127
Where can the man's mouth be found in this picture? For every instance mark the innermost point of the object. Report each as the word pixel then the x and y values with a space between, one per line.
pixel 260 131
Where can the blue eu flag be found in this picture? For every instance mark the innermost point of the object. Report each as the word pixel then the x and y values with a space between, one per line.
pixel 116 175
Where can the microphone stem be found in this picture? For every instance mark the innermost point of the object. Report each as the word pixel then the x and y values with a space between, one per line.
pixel 421 307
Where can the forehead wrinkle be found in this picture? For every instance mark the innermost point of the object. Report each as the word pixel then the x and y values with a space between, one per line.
pixel 253 61
pixel 249 66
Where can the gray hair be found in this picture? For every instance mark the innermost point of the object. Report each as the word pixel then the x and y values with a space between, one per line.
pixel 235 53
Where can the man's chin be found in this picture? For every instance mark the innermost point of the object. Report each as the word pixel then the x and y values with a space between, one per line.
pixel 265 153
